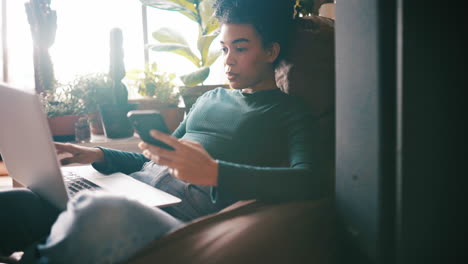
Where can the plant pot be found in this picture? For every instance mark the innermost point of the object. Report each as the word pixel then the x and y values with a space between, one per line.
pixel 191 94
pixel 173 116
pixel 115 121
pixel 63 127
pixel 95 124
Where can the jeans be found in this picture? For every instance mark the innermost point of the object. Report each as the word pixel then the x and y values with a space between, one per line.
pixel 98 227
pixel 196 200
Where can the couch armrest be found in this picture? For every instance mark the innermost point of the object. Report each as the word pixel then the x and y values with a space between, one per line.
pixel 253 232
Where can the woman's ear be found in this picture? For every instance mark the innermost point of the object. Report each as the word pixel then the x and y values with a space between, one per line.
pixel 273 52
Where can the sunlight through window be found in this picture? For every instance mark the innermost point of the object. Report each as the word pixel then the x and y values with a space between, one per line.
pixel 82 40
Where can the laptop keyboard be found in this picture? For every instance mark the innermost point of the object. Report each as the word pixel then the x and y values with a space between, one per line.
pixel 75 183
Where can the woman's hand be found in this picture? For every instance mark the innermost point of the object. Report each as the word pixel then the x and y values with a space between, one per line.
pixel 189 161
pixel 78 154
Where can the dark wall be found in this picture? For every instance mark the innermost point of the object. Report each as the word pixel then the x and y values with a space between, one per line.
pixel 433 77
pixel 365 128
pixel 400 68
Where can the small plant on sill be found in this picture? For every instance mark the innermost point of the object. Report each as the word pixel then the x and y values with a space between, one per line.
pixel 61 101
pixel 156 84
pixel 93 89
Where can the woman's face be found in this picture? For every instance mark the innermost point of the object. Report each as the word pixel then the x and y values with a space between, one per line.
pixel 246 63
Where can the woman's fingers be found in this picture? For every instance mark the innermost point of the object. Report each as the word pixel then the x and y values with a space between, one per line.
pixel 65 147
pixel 159 159
pixel 166 162
pixel 168 139
pixel 66 161
pixel 163 152
pixel 173 155
pixel 189 142
pixel 189 161
pixel 58 151
pixel 157 150
pixel 142 145
pixel 59 147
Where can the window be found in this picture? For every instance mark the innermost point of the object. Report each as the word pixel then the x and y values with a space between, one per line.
pixel 82 40
pixel 19 45
pixel 2 32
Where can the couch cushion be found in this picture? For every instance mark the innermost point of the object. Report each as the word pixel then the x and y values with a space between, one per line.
pixel 309 66
pixel 294 232
pixel 308 71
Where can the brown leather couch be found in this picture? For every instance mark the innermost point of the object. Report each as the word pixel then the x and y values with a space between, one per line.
pixel 288 232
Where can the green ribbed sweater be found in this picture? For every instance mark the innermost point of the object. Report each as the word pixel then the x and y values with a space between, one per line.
pixel 250 135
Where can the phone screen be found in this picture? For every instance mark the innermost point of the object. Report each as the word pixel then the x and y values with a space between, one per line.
pixel 145 120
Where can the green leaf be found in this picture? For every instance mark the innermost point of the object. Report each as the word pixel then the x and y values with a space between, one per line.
pixel 208 22
pixel 167 35
pixel 212 57
pixel 164 4
pixel 176 48
pixel 184 7
pixel 195 77
pixel 203 44
pixel 211 25
pixel 189 5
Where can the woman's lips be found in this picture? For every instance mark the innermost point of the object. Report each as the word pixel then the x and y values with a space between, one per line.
pixel 231 76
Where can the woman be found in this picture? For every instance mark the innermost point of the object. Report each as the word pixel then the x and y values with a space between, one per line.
pixel 227 149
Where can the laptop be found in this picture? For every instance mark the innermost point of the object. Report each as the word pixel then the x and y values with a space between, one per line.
pixel 30 156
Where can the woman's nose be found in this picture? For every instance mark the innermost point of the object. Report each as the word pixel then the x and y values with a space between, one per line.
pixel 229 58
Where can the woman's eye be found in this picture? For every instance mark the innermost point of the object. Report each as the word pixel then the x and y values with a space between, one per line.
pixel 224 50
pixel 241 49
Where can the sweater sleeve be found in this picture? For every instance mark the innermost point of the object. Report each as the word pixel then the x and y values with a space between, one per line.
pixel 129 162
pixel 242 182
pixel 120 161
pixel 303 180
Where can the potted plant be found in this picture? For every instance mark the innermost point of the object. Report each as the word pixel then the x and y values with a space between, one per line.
pixel 114 113
pixel 155 84
pixel 93 89
pixel 159 93
pixel 63 109
pixel 168 40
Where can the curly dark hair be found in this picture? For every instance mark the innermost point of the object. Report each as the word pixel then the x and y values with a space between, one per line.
pixel 272 19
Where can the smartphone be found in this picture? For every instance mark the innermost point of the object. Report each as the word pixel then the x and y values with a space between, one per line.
pixel 145 120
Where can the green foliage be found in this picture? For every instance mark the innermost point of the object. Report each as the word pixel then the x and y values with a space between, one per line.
pixel 93 89
pixel 152 83
pixel 197 77
pixel 201 12
pixel 61 101
pixel 81 96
